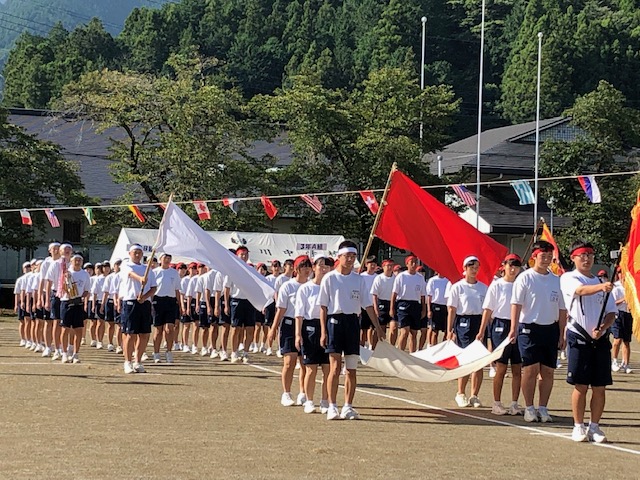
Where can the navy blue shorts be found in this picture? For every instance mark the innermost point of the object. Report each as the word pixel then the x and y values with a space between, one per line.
pixel 384 307
pixel 438 320
pixel 409 314
pixel 223 319
pixel 343 332
pixel 89 313
pixel 589 363
pixel 539 344
pixel 46 314
pixel 21 313
pixel 288 336
pixel 500 328
pixel 72 315
pixel 365 321
pixel 312 352
pixel 242 313
pixel 39 313
pixel 97 313
pixel 203 316
pixel 109 311
pixel 136 317
pixel 118 316
pixel 185 318
pixel 195 316
pixel 466 328
pixel 164 309
pixel 269 314
pixel 259 316
pixel 622 326
pixel 32 313
pixel 55 308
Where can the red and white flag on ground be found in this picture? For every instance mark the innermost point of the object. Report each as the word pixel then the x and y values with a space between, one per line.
pixel 269 208
pixel 314 202
pixel 370 199
pixel 52 217
pixel 231 203
pixel 26 217
pixel 202 209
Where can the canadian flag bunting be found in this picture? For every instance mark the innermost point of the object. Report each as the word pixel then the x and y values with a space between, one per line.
pixel 26 217
pixel 269 208
pixel 370 199
pixel 202 209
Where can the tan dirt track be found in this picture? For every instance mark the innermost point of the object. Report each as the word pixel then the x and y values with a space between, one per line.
pixel 201 419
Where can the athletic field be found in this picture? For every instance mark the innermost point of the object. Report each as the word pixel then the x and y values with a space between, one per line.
pixel 203 419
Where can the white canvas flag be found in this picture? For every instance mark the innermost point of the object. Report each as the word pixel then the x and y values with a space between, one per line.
pixel 181 236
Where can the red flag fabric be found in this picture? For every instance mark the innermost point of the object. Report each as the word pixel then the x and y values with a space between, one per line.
pixel 26 217
pixel 137 213
pixel 416 221
pixel 202 209
pixel 269 208
pixel 370 199
pixel 630 268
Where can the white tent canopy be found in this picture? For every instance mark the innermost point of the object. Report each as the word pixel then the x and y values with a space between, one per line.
pixel 263 247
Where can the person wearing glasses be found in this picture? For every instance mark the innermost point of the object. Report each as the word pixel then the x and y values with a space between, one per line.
pixel 538 320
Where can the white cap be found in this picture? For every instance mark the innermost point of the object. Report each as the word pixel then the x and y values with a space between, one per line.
pixel 53 244
pixel 65 245
pixel 135 246
pixel 33 261
pixel 26 264
pixel 468 260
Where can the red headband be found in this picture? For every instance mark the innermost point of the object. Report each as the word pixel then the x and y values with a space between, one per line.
pixel 581 250
pixel 410 258
pixel 387 262
pixel 540 250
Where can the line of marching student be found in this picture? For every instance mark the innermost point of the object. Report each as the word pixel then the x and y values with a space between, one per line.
pixel 326 322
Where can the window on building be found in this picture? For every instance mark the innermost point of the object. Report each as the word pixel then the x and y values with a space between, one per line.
pixel 72 231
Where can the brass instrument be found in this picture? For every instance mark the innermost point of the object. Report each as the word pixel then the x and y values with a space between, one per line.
pixel 70 286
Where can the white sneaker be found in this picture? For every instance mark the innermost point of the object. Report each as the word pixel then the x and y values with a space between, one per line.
pixel 349 413
pixel 194 349
pixel 65 358
pixel 128 368
pixel 515 409
pixel 168 357
pixel 530 415
pixel 214 353
pixel 69 351
pixel 83 342
pixel 594 434
pixel 110 347
pixel 75 358
pixel 245 359
pixel 474 401
pixel 263 349
pixel 144 357
pixel 627 369
pixel 234 357
pixel 544 415
pixel 186 349
pixel 93 343
pixel 99 346
pixel 333 413
pixel 156 358
pixel 269 352
pixel 118 349
pixel 22 343
pixel 492 372
pixel 324 406
pixel 563 355
pixel 285 400
pixel 558 364
pixel 252 348
pixel 301 399
pixel 47 352
pixel 223 356
pixel 138 367
pixel 579 433
pixel 241 347
pixel 615 367
pixel 56 356
pixel 462 400
pixel 309 407
pixel 177 347
pixel 39 348
pixel 204 351
pixel 27 344
pixel 498 409
pixel 279 353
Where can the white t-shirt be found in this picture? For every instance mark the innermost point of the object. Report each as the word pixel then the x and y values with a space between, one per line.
pixel 307 301
pixel 45 266
pixel 466 297
pixel 168 280
pixel 346 294
pixel 184 284
pixel 279 281
pixel 110 286
pixel 437 288
pixel 20 281
pixel 409 287
pixel 584 309
pixel 97 286
pixel 369 279
pixel 287 297
pixel 618 294
pixel 191 287
pixel 213 282
pixel 498 299
pixel 540 296
pixel 32 282
pixel 129 288
pixel 83 282
pixel 383 286
pixel 271 279
pixel 53 273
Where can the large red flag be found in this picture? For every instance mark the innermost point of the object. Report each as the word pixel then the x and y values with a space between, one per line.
pixel 414 220
pixel 630 268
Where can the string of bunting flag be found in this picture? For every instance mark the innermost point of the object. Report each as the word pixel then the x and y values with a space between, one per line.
pixel 521 187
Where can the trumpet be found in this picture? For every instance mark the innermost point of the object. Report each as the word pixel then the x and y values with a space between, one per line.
pixel 70 286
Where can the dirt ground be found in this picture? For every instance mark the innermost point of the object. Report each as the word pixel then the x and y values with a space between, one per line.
pixel 200 419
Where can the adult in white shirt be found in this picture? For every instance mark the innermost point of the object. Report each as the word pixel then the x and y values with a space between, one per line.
pixel 136 293
pixel 408 303
pixel 437 286
pixel 621 329
pixel 165 302
pixel 538 319
pixel 497 314
pixel 381 291
pixel 367 333
pixel 74 293
pixel 343 295
pixel 464 302
pixel 588 346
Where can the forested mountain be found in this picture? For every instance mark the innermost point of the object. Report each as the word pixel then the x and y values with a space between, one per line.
pixel 259 44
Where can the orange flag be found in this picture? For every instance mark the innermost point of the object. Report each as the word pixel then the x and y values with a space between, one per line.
pixel 556 265
pixel 137 213
pixel 630 268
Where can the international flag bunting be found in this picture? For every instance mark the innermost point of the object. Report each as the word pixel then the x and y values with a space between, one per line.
pixel 313 202
pixel 590 187
pixel 524 192
pixel 232 203
pixel 370 199
pixel 465 195
pixel 630 268
pixel 269 208
pixel 556 265
pixel 416 221
pixel 137 213
pixel 202 209
pixel 88 212
pixel 51 216
pixel 26 217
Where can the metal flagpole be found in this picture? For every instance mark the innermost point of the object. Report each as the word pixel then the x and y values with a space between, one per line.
pixel 424 29
pixel 537 154
pixel 480 82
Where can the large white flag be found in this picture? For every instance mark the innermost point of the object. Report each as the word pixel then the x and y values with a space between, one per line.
pixel 441 363
pixel 180 236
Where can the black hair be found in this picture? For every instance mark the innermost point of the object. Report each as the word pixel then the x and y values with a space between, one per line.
pixel 580 243
pixel 327 261
pixel 347 244
pixel 371 259
pixel 542 245
pixel 289 261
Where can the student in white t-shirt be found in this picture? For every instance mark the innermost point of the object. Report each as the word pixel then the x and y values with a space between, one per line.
pixel 621 329
pixel 381 291
pixel 437 286
pixel 538 320
pixel 408 303
pixel 367 333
